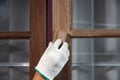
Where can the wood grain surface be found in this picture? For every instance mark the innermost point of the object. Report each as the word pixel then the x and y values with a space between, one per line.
pixel 61 21
pixel 38 32
pixel 95 33
pixel 15 35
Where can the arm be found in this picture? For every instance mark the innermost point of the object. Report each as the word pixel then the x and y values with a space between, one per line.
pixel 52 61
pixel 37 76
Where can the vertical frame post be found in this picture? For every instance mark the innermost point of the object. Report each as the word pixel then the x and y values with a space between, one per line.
pixel 61 21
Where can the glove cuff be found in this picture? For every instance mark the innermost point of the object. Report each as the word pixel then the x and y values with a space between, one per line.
pixel 45 70
pixel 37 70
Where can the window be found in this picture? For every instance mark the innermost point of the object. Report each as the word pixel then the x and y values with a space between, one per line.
pixel 93 29
pixel 22 33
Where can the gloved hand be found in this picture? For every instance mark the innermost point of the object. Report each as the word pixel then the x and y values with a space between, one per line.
pixel 53 60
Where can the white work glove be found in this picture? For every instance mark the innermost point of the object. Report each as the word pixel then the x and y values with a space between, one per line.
pixel 53 60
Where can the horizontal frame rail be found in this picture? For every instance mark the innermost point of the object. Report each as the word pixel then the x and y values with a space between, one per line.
pixel 95 33
pixel 15 35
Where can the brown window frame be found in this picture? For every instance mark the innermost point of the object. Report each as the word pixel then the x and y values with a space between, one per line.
pixel 61 17
pixel 38 32
pixel 36 35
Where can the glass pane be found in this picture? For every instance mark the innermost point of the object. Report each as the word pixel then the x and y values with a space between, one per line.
pixel 82 49
pixel 14 50
pixel 81 14
pixel 82 59
pixel 96 58
pixel 14 15
pixel 107 73
pixel 96 14
pixel 107 13
pixel 107 50
pixel 14 73
pixel 81 72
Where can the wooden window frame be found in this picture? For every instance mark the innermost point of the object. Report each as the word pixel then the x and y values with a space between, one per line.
pixel 61 17
pixel 38 32
pixel 36 35
pixel 61 21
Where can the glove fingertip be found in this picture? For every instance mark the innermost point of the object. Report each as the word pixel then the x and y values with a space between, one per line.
pixel 64 47
pixel 68 53
pixel 57 43
pixel 50 43
pixel 65 44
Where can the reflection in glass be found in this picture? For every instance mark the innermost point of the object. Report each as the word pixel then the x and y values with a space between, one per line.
pixel 81 72
pixel 100 14
pixel 107 50
pixel 107 73
pixel 107 13
pixel 14 50
pixel 81 50
pixel 81 13
pixel 14 59
pixel 14 73
pixel 99 56
pixel 14 15
pixel 82 59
